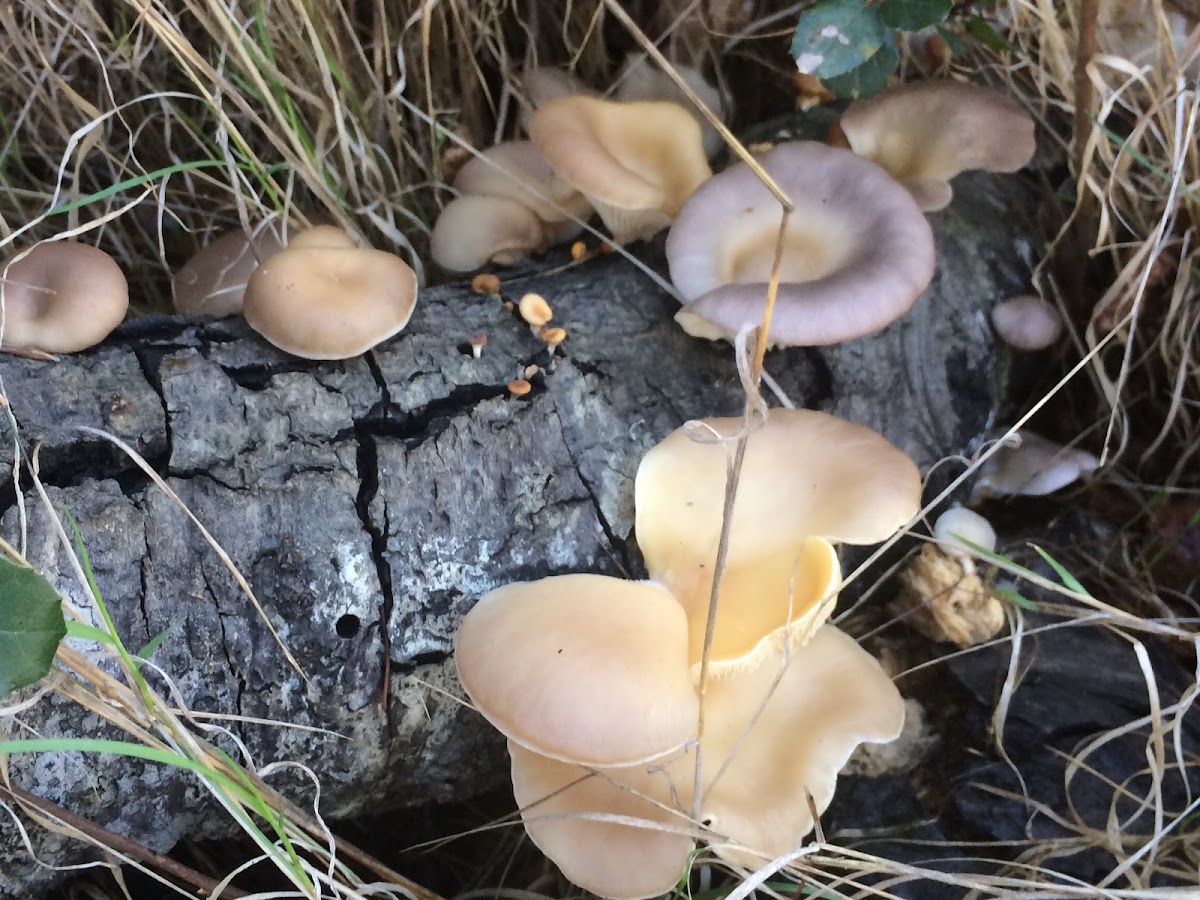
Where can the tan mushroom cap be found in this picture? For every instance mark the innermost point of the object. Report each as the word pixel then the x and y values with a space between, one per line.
pixel 640 79
pixel 924 133
pixel 832 697
pixel 213 281
pixel 62 297
pixel 326 302
pixel 581 668
pixel 509 169
pixel 474 230
pixel 611 859
pixel 636 162
pixel 328 237
pixel 808 478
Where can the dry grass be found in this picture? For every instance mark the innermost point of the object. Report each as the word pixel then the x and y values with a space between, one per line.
pixel 148 126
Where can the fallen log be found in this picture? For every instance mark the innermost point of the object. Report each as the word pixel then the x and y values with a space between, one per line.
pixel 370 502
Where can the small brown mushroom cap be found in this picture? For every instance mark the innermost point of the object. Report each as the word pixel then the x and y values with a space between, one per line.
pixel 858 250
pixel 581 668
pixel 636 162
pixel 808 478
pixel 330 302
pixel 507 170
pixel 213 281
pixel 62 297
pixel 474 230
pixel 926 132
pixel 611 859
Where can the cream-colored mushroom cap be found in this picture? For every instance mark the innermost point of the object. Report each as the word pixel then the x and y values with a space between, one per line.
pixel 508 170
pixel 474 230
pixel 924 133
pixel 329 237
pixel 858 252
pixel 832 697
pixel 581 668
pixel 213 281
pixel 808 478
pixel 636 162
pixel 1032 466
pixel 611 859
pixel 62 297
pixel 328 302
pixel 1027 322
pixel 639 79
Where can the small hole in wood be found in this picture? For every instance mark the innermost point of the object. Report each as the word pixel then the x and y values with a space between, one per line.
pixel 348 625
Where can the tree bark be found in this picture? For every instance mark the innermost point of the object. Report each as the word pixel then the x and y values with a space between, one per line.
pixel 370 503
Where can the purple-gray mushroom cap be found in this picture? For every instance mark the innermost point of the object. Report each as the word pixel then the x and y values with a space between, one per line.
pixel 858 251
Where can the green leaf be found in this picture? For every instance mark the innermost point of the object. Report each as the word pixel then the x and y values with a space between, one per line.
pixel 156 641
pixel 31 625
pixel 834 37
pixel 953 41
pixel 1013 597
pixel 88 633
pixel 868 79
pixel 913 15
pixel 1068 580
pixel 983 31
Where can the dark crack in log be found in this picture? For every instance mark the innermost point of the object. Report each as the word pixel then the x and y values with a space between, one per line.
pixel 370 503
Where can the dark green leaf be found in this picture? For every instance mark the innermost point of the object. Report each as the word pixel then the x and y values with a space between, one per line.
pixel 31 625
pixel 835 36
pixel 868 79
pixel 982 30
pixel 953 41
pixel 913 15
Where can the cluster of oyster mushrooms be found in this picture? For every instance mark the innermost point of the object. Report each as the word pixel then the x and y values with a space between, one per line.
pixel 314 293
pixel 858 251
pixel 595 681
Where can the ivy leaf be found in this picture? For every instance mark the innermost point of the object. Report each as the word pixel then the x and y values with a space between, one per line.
pixel 868 79
pixel 31 625
pixel 834 37
pixel 913 15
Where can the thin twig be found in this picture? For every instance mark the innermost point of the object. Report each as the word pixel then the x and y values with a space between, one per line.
pixel 120 844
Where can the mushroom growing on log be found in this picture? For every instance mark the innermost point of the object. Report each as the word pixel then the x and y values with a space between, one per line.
pixel 370 502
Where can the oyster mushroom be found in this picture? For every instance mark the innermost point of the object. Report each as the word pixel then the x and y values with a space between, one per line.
pixel 591 678
pixel 858 251
pixel 509 170
pixel 61 297
pixel 326 298
pixel 475 230
pixel 635 162
pixel 926 132
pixel 808 479
pixel 213 281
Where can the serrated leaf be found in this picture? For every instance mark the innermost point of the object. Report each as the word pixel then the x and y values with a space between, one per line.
pixel 868 79
pixel 31 626
pixel 913 15
pixel 983 31
pixel 834 37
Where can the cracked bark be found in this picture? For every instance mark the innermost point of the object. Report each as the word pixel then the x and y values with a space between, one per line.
pixel 370 502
